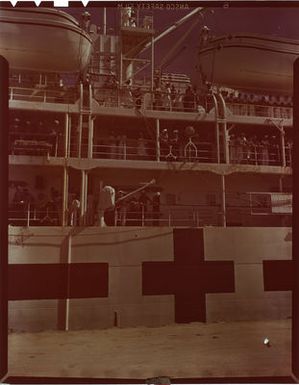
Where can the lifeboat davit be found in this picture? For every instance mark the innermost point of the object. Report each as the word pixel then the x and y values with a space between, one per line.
pixel 249 62
pixel 44 40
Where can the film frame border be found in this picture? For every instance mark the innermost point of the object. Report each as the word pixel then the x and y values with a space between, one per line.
pixel 4 113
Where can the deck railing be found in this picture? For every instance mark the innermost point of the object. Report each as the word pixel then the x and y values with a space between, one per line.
pixel 43 95
pixel 123 148
pixel 247 208
pixel 146 149
pixel 35 143
pixel 144 99
pixel 243 109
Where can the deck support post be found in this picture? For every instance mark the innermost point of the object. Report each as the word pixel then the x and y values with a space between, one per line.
pixel 283 148
pixel 158 150
pixel 223 201
pixel 83 196
pixel 90 136
pixel 224 128
pixel 65 196
pixel 66 135
pixel 217 127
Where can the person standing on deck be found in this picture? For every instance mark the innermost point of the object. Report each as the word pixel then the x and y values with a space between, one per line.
pixel 156 209
pixel 106 201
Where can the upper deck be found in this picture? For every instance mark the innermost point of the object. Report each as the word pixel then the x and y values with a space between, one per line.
pixel 250 128
pixel 219 156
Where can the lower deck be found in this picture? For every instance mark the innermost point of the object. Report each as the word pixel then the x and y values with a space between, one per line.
pixel 43 195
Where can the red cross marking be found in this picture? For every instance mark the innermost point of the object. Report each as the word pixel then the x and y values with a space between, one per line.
pixel 57 281
pixel 189 277
pixel 278 275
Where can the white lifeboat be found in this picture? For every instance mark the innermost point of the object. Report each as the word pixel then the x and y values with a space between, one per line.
pixel 249 62
pixel 43 39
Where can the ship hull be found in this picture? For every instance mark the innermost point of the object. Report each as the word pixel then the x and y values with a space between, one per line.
pixel 249 62
pixel 146 276
pixel 43 40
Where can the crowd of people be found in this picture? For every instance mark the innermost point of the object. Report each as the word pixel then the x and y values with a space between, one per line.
pixel 174 145
pixel 35 137
pixel 120 144
pixel 258 99
pixel 167 98
pixel 259 149
pixel 136 210
pixel 191 145
pixel 42 209
pixel 46 209
pixel 275 106
pixel 32 137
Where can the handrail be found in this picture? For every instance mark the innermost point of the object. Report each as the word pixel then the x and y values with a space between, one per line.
pixel 248 204
pixel 43 95
pixel 258 110
pixel 104 147
pixel 161 100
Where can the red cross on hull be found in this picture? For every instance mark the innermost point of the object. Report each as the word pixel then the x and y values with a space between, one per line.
pixel 278 275
pixel 189 277
pixel 57 281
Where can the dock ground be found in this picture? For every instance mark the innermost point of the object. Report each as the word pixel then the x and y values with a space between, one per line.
pixel 223 349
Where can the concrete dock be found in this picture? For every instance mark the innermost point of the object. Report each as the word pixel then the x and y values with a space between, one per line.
pixel 234 349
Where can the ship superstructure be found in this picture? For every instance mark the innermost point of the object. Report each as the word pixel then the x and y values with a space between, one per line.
pixel 220 156
pixel 178 152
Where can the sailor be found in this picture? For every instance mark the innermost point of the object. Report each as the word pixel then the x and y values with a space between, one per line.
pixel 143 202
pixel 106 204
pixel 156 209
pixel 85 17
pixel 126 15
pixel 121 206
pixel 75 206
pixel 204 36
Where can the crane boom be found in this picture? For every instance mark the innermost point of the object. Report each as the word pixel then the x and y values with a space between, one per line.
pixel 174 26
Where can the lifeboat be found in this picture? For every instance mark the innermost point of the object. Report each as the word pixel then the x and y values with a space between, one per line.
pixel 43 40
pixel 249 62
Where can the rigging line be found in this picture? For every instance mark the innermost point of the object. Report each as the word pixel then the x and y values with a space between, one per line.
pixel 213 65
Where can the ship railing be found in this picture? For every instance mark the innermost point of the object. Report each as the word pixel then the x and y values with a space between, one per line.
pixel 146 149
pixel 172 216
pixel 252 209
pixel 145 22
pixel 261 155
pixel 144 99
pixel 246 109
pixel 241 209
pixel 130 149
pixel 202 152
pixel 51 144
pixel 125 97
pixel 133 19
pixel 43 95
pixel 27 214
pixel 35 143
